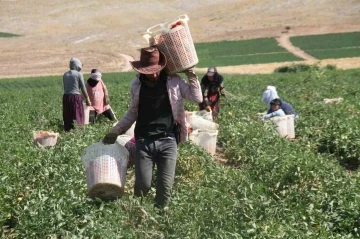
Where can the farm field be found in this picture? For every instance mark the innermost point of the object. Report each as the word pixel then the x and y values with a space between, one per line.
pixel 101 33
pixel 231 53
pixel 270 187
pixel 337 45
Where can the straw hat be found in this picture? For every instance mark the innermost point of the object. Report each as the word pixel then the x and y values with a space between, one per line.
pixel 151 61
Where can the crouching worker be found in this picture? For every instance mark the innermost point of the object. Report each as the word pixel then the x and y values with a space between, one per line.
pixel 275 109
pixel 270 94
pixel 212 85
pixel 99 97
pixel 157 106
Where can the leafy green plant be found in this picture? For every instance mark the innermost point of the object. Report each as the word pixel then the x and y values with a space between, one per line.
pixel 271 187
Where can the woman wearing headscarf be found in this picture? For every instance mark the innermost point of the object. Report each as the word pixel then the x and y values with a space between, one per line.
pixel 99 97
pixel 212 85
pixel 73 108
pixel 270 94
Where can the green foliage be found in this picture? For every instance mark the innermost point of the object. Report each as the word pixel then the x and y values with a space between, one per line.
pixel 327 41
pixel 314 69
pixel 271 187
pixel 335 53
pixel 229 53
pixel 326 46
pixel 330 67
pixel 6 34
pixel 294 68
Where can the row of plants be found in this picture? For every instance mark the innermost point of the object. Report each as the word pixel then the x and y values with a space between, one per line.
pixel 230 53
pixel 326 46
pixel 327 41
pixel 270 188
pixel 267 50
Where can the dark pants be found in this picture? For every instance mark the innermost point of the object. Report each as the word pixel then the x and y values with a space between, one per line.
pixel 108 113
pixel 163 153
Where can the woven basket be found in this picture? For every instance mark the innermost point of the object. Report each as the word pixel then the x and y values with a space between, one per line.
pixel 175 41
pixel 105 167
pixel 45 138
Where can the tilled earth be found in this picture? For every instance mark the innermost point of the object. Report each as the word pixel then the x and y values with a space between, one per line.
pixel 107 34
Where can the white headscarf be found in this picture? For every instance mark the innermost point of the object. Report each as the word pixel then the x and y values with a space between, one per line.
pixel 269 94
pixel 96 75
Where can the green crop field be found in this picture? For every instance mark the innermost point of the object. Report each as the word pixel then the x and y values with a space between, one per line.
pixel 271 187
pixel 229 53
pixel 6 34
pixel 326 46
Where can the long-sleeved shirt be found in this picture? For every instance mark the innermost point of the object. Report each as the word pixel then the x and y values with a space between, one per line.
pixel 73 80
pixel 73 83
pixel 178 90
pixel 279 112
pixel 211 87
pixel 287 108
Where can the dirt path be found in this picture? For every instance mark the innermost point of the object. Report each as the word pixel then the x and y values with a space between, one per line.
pixel 126 63
pixel 284 41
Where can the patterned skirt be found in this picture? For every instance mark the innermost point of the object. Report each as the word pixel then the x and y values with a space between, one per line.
pixel 73 109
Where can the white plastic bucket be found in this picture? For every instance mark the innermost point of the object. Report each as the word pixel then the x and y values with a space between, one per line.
pixel 205 114
pixel 198 122
pixel 86 113
pixel 105 167
pixel 175 41
pixel 206 139
pixel 123 139
pixel 194 136
pixel 282 125
pixel 131 131
pixel 290 126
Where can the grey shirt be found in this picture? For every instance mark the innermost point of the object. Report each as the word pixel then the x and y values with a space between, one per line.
pixel 74 80
pixel 73 83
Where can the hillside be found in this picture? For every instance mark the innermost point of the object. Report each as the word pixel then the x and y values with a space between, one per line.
pixel 99 32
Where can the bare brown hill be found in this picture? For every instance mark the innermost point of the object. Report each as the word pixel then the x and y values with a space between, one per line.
pixel 101 33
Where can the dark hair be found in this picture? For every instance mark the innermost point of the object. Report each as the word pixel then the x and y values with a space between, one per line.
pixel 94 70
pixel 276 101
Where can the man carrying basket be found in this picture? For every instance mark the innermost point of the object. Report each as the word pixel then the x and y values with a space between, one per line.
pixel 157 106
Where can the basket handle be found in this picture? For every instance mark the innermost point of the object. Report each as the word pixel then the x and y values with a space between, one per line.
pixel 155 29
pixel 182 18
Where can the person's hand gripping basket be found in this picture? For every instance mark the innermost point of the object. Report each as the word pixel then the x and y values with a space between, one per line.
pixel 175 41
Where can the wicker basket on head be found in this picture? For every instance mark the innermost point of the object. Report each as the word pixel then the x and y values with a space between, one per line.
pixel 175 41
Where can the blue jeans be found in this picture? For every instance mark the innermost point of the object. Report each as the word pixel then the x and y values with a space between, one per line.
pixel 161 152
